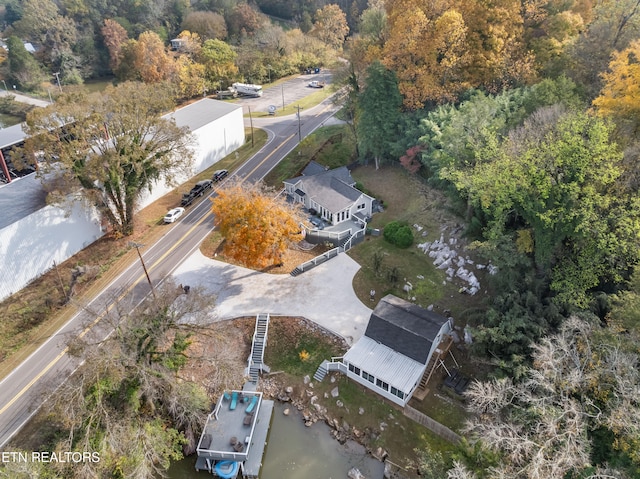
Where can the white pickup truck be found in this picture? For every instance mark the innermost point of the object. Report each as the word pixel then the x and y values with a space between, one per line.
pixel 316 84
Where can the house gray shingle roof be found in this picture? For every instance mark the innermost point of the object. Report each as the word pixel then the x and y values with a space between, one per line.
pixel 201 113
pixel 313 168
pixel 333 189
pixel 404 327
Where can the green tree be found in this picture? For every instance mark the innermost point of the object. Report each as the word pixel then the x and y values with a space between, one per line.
pixel 142 148
pixel 38 16
pixel 218 59
pixel 24 69
pixel 42 22
pixel 399 234
pixel 379 107
pixel 557 174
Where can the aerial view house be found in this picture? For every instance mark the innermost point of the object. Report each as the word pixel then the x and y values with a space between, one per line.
pixel 34 236
pixel 330 193
pixel 401 347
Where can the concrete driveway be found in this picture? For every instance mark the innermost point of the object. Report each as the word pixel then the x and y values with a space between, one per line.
pixel 323 295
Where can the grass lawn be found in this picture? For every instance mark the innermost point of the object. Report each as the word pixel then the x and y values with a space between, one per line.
pixel 308 101
pixel 386 268
pixel 331 146
pixel 383 423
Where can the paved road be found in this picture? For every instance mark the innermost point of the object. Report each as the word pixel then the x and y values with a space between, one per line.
pixel 24 390
pixel 288 92
pixel 24 98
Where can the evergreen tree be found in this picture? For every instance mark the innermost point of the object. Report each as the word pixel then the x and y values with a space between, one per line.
pixel 379 107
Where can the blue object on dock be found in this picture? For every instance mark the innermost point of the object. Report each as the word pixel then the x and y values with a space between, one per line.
pixel 252 406
pixel 226 396
pixel 226 469
pixel 234 400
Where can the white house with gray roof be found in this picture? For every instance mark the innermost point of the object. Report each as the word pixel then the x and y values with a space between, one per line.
pixel 399 348
pixel 331 193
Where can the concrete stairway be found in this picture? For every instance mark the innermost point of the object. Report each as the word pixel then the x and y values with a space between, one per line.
pixel 322 371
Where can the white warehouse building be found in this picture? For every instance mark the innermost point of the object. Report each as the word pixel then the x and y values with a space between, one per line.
pixel 34 235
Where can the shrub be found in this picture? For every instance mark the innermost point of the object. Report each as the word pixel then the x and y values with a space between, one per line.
pixel 398 233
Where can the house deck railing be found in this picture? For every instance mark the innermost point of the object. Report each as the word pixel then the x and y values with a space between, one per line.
pixel 328 235
pixel 332 253
pixel 350 242
pixel 336 364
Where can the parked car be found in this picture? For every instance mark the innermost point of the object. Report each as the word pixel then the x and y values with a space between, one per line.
pixel 219 175
pixel 173 215
pixel 316 84
pixel 317 222
pixel 200 187
pixel 312 211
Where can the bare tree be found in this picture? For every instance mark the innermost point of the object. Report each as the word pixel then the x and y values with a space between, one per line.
pixel 128 402
pixel 581 380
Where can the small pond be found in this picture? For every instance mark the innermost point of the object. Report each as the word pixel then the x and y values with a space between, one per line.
pixel 295 451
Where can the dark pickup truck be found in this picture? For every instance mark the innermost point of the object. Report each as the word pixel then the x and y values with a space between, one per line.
pixel 198 190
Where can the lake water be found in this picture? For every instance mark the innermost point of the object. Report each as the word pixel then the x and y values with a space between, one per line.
pixel 295 451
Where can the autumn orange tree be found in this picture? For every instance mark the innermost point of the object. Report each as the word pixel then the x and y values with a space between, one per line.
pixel 257 225
pixel 619 97
pixel 441 48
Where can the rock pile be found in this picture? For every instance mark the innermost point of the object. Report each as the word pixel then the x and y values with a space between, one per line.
pixel 307 402
pixel 446 256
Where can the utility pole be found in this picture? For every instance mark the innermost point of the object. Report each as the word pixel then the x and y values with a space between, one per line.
pixel 298 115
pixel 283 97
pixel 57 75
pixel 137 246
pixel 251 123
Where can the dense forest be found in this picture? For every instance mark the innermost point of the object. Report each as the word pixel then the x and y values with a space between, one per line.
pixel 525 112
pixel 220 42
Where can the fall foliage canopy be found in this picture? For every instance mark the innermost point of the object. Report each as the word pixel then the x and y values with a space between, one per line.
pixel 257 225
pixel 619 97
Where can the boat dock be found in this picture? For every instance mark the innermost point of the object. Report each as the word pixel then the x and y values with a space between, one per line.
pixel 235 435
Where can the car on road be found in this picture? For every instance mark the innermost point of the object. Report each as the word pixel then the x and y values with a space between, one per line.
pixel 317 222
pixel 219 175
pixel 316 84
pixel 200 187
pixel 173 215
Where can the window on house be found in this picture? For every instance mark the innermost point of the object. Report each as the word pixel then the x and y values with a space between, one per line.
pixel 361 207
pixel 382 385
pixel 354 369
pixel 397 392
pixel 368 377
